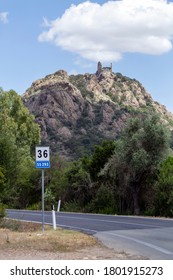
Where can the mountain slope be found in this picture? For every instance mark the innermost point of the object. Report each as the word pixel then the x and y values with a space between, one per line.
pixel 75 112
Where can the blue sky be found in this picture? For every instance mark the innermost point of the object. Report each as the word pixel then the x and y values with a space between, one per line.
pixel 39 37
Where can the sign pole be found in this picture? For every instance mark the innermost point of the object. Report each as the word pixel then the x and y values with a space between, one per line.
pixel 42 201
pixel 42 161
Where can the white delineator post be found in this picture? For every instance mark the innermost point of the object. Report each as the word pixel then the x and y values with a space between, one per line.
pixel 53 218
pixel 59 205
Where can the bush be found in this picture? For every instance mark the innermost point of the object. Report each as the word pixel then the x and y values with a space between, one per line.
pixel 103 203
pixel 35 206
pixel 10 224
pixel 2 210
pixel 71 206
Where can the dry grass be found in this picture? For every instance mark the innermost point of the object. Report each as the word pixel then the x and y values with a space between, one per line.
pixel 24 241
pixel 23 235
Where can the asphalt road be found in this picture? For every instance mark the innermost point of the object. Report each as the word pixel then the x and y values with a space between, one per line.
pixel 149 237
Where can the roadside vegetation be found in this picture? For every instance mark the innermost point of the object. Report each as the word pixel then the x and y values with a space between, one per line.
pixel 130 175
pixel 16 235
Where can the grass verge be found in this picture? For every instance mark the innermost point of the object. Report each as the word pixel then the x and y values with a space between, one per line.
pixel 28 236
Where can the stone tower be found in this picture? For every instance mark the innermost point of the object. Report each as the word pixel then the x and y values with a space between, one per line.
pixel 99 68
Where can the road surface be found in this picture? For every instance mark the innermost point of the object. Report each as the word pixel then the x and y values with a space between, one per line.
pixel 149 237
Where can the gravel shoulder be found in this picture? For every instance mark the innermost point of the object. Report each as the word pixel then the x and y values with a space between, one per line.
pixel 98 252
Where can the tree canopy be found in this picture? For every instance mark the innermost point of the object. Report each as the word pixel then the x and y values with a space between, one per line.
pixel 163 202
pixel 142 146
pixel 18 136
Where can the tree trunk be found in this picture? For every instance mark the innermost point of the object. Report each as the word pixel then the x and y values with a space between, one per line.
pixel 136 203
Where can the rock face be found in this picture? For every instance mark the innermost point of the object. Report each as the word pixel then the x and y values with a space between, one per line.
pixel 78 111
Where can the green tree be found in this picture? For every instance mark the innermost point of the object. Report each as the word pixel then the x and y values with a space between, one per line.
pixel 99 158
pixel 142 146
pixel 56 179
pixel 103 202
pixel 79 184
pixel 16 119
pixel 18 136
pixel 164 189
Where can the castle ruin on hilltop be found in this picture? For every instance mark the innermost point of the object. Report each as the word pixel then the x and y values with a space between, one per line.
pixel 100 69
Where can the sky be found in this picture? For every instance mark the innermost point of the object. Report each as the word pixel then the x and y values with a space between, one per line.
pixel 40 37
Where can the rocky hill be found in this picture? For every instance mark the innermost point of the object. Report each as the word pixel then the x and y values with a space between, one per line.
pixel 75 112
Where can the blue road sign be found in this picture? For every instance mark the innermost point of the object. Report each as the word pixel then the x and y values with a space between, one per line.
pixel 42 164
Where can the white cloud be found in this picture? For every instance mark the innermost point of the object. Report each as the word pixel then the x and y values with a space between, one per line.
pixel 4 17
pixel 105 32
pixel 83 63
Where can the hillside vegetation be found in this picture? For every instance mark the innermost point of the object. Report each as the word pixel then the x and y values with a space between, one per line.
pixel 77 112
pixel 110 146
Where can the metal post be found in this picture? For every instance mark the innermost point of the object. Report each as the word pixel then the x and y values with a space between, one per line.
pixel 42 201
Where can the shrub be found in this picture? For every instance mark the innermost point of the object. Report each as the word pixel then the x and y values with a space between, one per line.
pixel 2 210
pixel 35 206
pixel 104 201
pixel 71 206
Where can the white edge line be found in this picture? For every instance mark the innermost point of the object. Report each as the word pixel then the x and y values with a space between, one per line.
pixel 157 248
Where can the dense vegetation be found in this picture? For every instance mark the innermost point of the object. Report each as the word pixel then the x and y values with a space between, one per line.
pixel 131 175
pixel 18 137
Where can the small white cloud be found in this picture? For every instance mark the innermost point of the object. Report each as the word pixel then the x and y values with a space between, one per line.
pixel 4 17
pixel 105 32
pixel 83 63
pixel 73 72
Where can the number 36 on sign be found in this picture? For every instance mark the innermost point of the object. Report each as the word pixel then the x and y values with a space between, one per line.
pixel 42 157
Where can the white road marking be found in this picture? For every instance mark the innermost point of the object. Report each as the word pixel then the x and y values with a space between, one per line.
pixel 142 242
